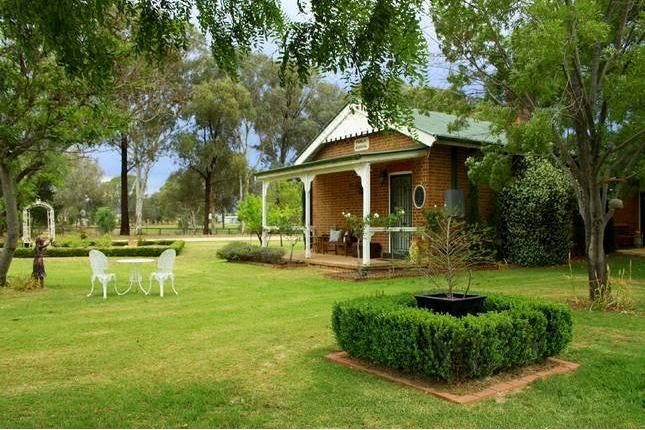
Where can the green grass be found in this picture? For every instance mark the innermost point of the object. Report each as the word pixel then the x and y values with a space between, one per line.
pixel 243 346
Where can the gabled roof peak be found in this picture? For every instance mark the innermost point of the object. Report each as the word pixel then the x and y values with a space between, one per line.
pixel 352 121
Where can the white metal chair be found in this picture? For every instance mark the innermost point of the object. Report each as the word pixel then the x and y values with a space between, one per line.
pixel 99 263
pixel 164 271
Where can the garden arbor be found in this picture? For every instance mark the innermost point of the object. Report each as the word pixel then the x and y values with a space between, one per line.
pixel 26 221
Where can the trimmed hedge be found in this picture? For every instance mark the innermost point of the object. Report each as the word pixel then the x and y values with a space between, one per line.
pixel 393 332
pixel 67 244
pixel 144 242
pixel 240 251
pixel 120 251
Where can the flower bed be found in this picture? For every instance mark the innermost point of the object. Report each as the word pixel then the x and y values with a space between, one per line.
pixel 392 331
pixel 151 250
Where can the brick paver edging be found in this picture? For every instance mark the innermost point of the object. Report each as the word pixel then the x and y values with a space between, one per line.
pixel 562 366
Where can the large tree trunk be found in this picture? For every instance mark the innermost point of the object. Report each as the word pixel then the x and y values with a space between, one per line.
pixel 125 216
pixel 9 195
pixel 207 201
pixel 595 223
pixel 140 191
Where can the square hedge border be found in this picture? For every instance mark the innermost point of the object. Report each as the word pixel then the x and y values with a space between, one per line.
pixel 150 249
pixel 393 332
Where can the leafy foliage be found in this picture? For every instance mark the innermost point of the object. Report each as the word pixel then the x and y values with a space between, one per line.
pixel 289 113
pixel 214 112
pixel 238 251
pixel 375 45
pixel 392 331
pixel 536 215
pixel 563 79
pixel 105 220
pixel 112 251
pixel 250 213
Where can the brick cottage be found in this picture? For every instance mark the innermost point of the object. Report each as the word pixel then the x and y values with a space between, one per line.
pixel 352 167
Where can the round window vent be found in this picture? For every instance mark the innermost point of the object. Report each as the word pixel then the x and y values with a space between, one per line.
pixel 419 196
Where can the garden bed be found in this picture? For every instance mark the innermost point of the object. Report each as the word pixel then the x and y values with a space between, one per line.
pixel 511 332
pixel 462 391
pixel 149 250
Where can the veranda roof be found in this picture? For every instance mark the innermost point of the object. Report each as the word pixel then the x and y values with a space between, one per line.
pixel 339 164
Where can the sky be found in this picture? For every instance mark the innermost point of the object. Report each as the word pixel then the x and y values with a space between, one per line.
pixel 109 158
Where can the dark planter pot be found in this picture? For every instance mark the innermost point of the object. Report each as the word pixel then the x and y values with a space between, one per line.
pixel 458 305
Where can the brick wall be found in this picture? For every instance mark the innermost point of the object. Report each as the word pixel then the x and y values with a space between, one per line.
pixel 378 142
pixel 335 193
pixel 628 214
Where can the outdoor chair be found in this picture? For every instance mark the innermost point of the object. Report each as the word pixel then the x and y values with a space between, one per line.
pixel 99 263
pixel 335 241
pixel 165 266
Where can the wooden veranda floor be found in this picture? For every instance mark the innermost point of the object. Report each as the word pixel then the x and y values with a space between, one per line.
pixel 341 262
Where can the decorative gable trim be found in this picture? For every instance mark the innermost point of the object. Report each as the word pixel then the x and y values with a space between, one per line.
pixel 352 122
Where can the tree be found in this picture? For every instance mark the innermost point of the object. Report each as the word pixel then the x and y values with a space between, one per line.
pixel 563 79
pixel 147 97
pixel 152 131
pixel 250 213
pixel 290 112
pixel 180 198
pixel 105 220
pixel 213 111
pixel 82 180
pixel 377 46
pixel 43 111
pixel 284 207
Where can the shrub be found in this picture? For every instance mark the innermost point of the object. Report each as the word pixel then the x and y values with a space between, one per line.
pixel 238 251
pixel 105 220
pixel 536 215
pixel 119 251
pixel 143 242
pixel 71 241
pixel 104 241
pixel 393 332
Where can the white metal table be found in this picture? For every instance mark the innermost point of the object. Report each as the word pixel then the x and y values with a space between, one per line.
pixel 135 274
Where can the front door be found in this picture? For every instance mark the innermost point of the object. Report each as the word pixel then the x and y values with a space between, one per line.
pixel 401 198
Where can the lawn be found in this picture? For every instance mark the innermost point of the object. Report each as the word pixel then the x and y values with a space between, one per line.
pixel 244 346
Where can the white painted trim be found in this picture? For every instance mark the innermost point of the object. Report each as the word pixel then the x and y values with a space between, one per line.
pixel 389 229
pixel 265 228
pixel 343 166
pixel 319 140
pixel 364 171
pixel 420 136
pixel 307 181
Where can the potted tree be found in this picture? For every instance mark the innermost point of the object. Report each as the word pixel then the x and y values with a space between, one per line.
pixel 447 252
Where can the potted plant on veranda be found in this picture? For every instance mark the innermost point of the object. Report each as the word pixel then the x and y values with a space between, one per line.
pixel 447 252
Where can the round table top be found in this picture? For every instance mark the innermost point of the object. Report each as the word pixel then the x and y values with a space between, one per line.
pixel 135 260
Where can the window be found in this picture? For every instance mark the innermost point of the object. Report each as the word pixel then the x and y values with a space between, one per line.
pixel 419 196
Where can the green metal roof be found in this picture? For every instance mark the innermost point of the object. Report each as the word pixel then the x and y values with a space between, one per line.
pixel 437 124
